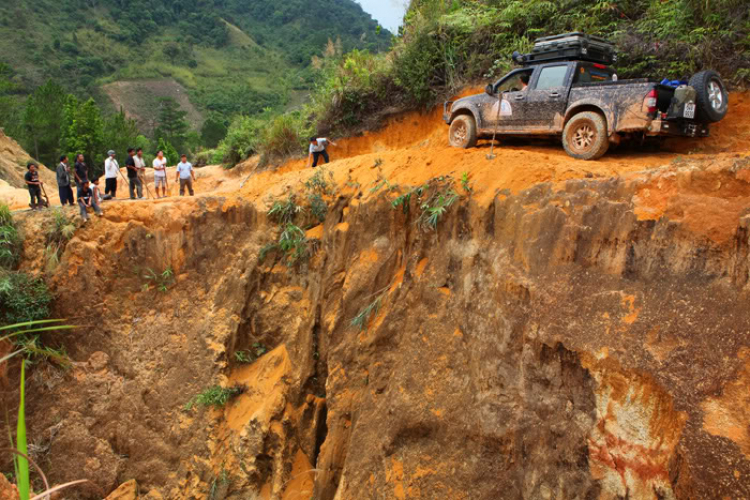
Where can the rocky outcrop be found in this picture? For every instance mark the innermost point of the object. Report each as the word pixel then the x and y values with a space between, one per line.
pixel 13 160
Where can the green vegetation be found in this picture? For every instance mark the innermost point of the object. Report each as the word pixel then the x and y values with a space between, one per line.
pixel 62 230
pixel 294 218
pixel 445 45
pixel 434 198
pixel 161 281
pixel 466 184
pixel 251 355
pixel 284 212
pixel 362 319
pixel 10 240
pixel 20 448
pixel 173 127
pixel 234 57
pixel 215 396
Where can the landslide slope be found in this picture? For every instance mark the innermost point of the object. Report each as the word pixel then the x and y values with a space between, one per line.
pixel 13 161
pixel 567 330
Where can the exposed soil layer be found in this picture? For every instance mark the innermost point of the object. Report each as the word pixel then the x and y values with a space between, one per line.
pixel 568 330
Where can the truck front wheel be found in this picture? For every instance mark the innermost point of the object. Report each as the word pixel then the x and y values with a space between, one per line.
pixel 463 132
pixel 585 136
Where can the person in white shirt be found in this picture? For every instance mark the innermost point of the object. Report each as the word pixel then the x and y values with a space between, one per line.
pixel 318 149
pixel 111 172
pixel 160 174
pixel 186 176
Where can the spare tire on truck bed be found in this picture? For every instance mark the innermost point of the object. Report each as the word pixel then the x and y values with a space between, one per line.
pixel 711 96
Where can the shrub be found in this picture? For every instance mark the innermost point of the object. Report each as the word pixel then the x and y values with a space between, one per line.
pixel 61 231
pixel 284 212
pixel 215 396
pixel 10 240
pixel 23 298
pixel 243 139
pixel 285 136
pixel 251 355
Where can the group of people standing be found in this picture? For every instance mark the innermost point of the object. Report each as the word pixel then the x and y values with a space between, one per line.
pixel 89 195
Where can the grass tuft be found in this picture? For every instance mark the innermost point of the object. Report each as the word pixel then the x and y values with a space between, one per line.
pixel 361 320
pixel 215 396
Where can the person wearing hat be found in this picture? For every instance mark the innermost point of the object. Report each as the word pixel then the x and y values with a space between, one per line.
pixel 111 171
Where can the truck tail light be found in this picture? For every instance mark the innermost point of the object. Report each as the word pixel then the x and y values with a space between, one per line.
pixel 650 102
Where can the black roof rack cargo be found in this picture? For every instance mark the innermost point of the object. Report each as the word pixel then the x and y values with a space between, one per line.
pixel 567 47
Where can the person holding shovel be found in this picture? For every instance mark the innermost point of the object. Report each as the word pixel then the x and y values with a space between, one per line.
pixel 133 178
pixel 34 185
pixel 160 174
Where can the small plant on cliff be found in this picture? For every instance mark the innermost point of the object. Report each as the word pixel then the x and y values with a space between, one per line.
pixel 251 355
pixel 466 183
pixel 162 281
pixel 10 240
pixel 319 185
pixel 293 243
pixel 215 396
pixel 380 183
pixel 284 212
pixel 361 320
pixel 221 481
pixel 322 182
pixel 435 207
pixel 20 448
pixel 61 231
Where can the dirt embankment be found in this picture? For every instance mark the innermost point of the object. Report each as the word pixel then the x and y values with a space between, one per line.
pixel 13 161
pixel 568 330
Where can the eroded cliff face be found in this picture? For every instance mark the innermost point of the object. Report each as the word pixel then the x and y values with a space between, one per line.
pixel 573 338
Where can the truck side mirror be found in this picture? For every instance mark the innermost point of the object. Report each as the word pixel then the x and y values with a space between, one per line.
pixel 490 89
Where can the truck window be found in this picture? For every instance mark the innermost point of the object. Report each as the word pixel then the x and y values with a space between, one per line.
pixel 552 77
pixel 514 83
pixel 588 73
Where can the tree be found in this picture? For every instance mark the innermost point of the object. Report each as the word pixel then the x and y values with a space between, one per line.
pixel 120 133
pixel 170 153
pixel 213 131
pixel 172 126
pixel 41 121
pixel 83 132
pixel 11 109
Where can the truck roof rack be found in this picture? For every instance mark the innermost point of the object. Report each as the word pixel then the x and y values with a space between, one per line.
pixel 575 46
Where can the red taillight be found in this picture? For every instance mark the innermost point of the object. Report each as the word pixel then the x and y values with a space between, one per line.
pixel 650 102
pixel 600 66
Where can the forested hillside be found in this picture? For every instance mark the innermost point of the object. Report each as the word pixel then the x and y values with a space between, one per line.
pixel 230 57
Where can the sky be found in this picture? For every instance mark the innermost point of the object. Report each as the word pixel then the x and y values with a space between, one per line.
pixel 389 13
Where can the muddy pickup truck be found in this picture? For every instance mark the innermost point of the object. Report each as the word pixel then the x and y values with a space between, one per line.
pixel 584 103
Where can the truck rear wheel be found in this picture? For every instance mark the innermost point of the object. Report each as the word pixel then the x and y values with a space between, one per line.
pixel 463 132
pixel 585 136
pixel 711 96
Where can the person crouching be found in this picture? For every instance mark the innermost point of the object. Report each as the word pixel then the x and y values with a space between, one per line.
pixel 86 200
